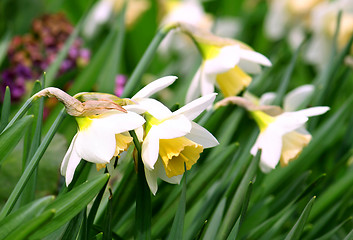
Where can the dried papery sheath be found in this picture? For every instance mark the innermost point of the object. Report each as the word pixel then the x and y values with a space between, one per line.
pixel 249 106
pixel 76 108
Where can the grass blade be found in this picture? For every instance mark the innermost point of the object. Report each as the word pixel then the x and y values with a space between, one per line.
pixel 12 135
pixel 177 229
pixel 6 107
pixel 297 229
pixel 71 203
pixel 31 166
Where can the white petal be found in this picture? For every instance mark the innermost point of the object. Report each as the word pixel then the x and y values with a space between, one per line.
pixel 201 136
pixel 207 83
pixel 155 108
pixel 249 67
pixel 270 144
pixel 154 87
pixel 136 108
pixel 73 162
pixel 67 156
pixel 227 58
pixel 276 20
pixel 314 111
pixel 95 145
pixel 176 126
pixel 118 122
pixel 150 148
pixel 196 107
pixel 297 97
pixel 139 132
pixel 151 178
pixel 288 121
pixel 255 57
pixel 194 89
pixel 160 171
pixel 267 98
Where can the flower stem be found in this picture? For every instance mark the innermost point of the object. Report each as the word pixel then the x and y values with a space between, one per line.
pixel 143 197
pixel 145 60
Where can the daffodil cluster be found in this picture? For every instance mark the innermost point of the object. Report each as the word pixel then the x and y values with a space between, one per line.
pixel 282 131
pixel 169 140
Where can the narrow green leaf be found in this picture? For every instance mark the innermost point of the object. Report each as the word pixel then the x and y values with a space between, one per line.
pixel 23 214
pixel 331 195
pixel 10 137
pixel 6 107
pixel 107 230
pixel 73 228
pixel 177 229
pixel 23 232
pixel 349 236
pixel 19 114
pixel 234 233
pixel 53 69
pixel 71 203
pixel 297 229
pixel 330 234
pixel 110 70
pixel 4 43
pixel 143 198
pixel 31 166
pixel 37 110
pixel 281 91
pixel 88 77
pixel 235 206
pixel 145 61
pixel 215 221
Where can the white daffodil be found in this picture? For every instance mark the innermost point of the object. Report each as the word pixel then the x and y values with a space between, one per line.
pixel 226 63
pixel 103 11
pixel 282 137
pixel 99 139
pixel 188 12
pixel 323 25
pixel 289 18
pixel 170 138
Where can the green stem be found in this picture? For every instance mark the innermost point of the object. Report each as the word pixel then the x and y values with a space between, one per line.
pixel 145 60
pixel 143 198
pixel 20 113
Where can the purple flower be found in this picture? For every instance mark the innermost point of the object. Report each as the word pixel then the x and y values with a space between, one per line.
pixel 120 81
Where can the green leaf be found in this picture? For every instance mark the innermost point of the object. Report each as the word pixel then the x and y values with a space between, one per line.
pixel 297 229
pixel 11 136
pixel 24 231
pixel 73 227
pixel 71 203
pixel 22 215
pixel 6 107
pixel 332 194
pixel 330 234
pixel 215 221
pixel 37 110
pixel 143 198
pixel 281 91
pixel 110 70
pixel 31 166
pixel 349 236
pixel 4 43
pixel 177 229
pixel 133 82
pixel 234 209
pixel 107 230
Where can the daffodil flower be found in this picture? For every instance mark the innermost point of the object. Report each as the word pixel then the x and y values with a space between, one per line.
pixel 99 139
pixel 170 138
pixel 283 137
pixel 226 63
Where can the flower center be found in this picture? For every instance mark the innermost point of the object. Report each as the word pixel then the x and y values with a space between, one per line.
pixel 150 121
pixel 83 123
pixel 177 151
pixel 262 119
